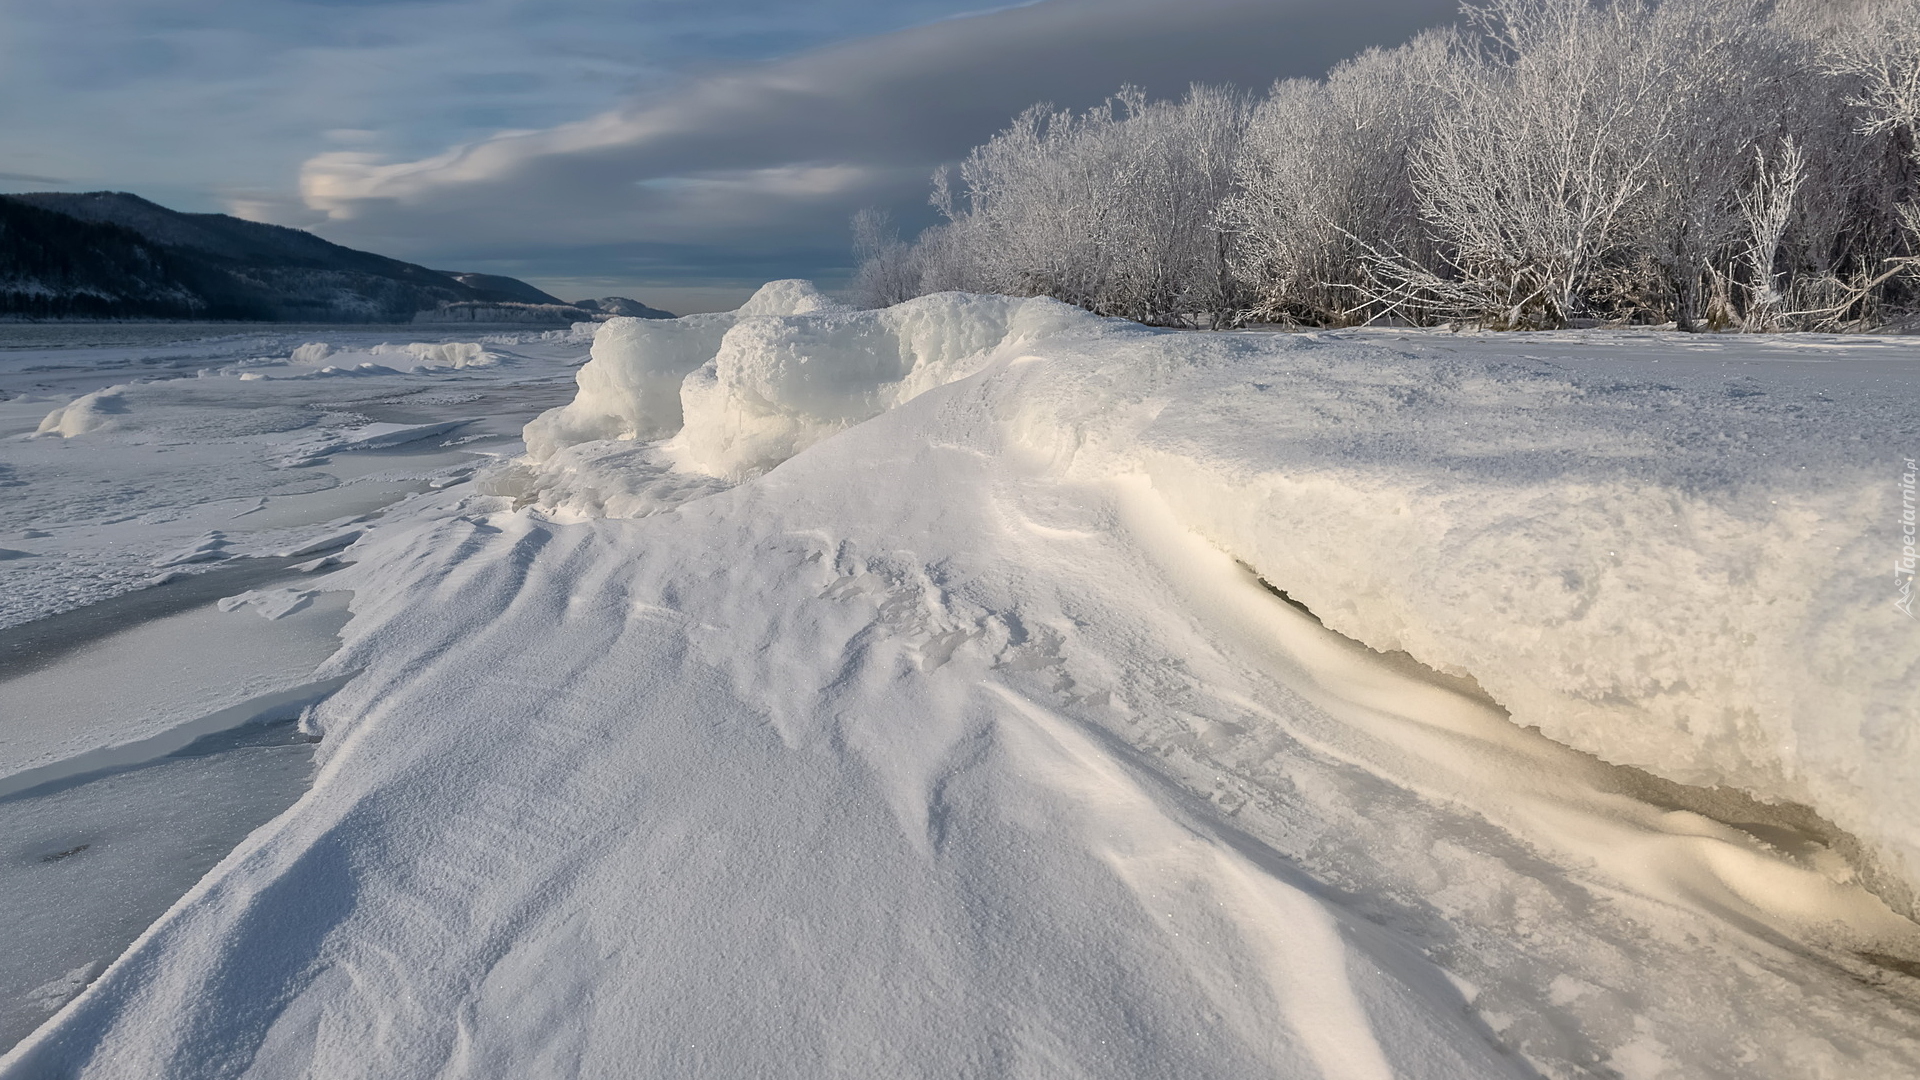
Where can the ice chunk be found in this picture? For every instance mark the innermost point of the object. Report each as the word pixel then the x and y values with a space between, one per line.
pixel 209 548
pixel 88 413
pixel 448 354
pixel 791 296
pixel 630 389
pixel 779 385
pixel 748 389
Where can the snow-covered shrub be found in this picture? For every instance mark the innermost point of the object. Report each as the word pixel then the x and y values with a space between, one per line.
pixel 1113 209
pixel 1323 177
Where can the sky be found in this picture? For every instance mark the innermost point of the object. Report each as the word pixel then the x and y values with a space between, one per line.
pixel 676 151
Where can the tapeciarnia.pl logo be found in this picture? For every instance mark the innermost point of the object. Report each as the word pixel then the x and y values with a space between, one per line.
pixel 1904 565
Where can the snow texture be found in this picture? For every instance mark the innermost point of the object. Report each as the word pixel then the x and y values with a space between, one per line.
pixel 963 741
pixel 1691 579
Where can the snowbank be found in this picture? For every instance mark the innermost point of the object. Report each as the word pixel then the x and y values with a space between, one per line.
pixel 441 354
pixel 97 411
pixel 630 389
pixel 1690 579
pixel 779 385
pixel 951 741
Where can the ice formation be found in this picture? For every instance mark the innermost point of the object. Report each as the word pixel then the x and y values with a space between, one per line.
pixel 440 354
pixel 631 388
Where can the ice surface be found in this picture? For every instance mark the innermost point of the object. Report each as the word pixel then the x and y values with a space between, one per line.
pixel 157 676
pixel 172 440
pixel 86 866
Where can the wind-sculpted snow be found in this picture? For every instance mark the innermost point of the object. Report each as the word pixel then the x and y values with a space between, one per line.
pixel 1695 579
pixel 962 742
pixel 1691 578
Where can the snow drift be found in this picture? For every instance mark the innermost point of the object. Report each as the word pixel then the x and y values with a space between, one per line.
pixel 951 744
pixel 1686 578
pixel 97 411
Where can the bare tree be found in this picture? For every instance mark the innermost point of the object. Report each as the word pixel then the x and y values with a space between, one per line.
pixel 1767 208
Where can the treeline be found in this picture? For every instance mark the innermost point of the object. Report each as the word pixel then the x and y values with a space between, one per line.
pixel 1709 163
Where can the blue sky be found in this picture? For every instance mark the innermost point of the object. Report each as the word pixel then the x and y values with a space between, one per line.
pixel 673 150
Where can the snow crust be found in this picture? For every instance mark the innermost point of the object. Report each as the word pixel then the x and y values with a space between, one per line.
pixel 1687 578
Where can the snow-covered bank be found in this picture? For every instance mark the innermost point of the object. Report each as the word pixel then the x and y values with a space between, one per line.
pixel 1691 571
pixel 949 747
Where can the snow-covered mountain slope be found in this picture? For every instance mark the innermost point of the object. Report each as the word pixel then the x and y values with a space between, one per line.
pixel 964 742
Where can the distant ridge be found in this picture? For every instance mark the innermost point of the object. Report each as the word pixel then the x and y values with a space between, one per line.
pixel 620 305
pixel 114 255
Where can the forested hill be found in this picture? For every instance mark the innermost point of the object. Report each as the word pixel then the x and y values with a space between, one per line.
pixel 112 255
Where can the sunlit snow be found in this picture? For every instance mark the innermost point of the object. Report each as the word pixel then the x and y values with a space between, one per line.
pixel 978 687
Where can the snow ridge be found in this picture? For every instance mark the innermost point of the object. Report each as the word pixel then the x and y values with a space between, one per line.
pixel 1682 578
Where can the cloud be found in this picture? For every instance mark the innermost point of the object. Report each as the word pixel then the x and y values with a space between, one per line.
pixel 761 163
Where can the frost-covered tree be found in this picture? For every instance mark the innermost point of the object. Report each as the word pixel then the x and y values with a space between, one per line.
pixel 1708 163
pixel 1114 209
pixel 886 273
pixel 1323 176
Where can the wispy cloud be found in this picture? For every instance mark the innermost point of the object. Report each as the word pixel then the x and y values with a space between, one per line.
pixel 597 140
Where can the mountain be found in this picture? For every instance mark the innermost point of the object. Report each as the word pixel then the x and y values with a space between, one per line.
pixel 55 266
pixel 620 305
pixel 504 289
pixel 113 255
